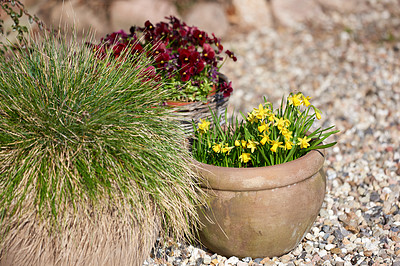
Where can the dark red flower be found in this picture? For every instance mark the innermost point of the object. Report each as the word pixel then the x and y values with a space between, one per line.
pixel 148 26
pixel 118 48
pixel 226 88
pixel 162 60
pixel 185 74
pixel 184 56
pixel 231 55
pixel 200 36
pixel 208 52
pixel 136 47
pixel 217 42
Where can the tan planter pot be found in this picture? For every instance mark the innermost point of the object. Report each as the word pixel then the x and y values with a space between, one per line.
pixel 262 211
pixel 103 242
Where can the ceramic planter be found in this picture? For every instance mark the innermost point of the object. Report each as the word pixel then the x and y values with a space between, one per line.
pixel 262 211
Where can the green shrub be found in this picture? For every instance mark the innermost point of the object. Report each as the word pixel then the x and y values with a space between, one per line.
pixel 82 135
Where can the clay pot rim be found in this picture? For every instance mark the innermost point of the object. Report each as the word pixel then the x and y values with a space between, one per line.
pixel 261 178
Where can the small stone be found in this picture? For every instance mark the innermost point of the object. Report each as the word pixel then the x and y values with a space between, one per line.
pixel 330 246
pixel 265 260
pixel 215 261
pixel 368 253
pixel 285 258
pixel 258 260
pixel 247 259
pixel 336 251
pixel 206 259
pixel 242 263
pixel 232 261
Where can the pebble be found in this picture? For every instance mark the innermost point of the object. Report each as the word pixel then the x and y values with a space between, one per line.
pixel 352 74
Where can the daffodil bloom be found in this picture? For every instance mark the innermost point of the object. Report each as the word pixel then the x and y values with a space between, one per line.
pixel 245 157
pixel 280 123
pixel 217 148
pixel 237 143
pixel 261 113
pixel 303 142
pixel 287 134
pixel 263 127
pixel 271 117
pixel 227 149
pixel 244 143
pixel 295 99
pixel 288 145
pixel 305 100
pixel 265 138
pixel 252 117
pixel 275 145
pixel 318 115
pixel 203 126
pixel 252 145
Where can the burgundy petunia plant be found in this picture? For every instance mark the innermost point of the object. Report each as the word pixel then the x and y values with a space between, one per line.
pixel 188 57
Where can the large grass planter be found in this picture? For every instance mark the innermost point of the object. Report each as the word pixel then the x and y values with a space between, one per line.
pixel 92 167
pixel 107 241
pixel 262 211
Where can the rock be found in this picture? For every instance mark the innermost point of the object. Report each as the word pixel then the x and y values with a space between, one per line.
pixel 71 14
pixel 343 6
pixel 252 13
pixel 285 258
pixel 231 261
pixel 242 263
pixel 208 16
pixel 206 259
pixel 215 261
pixel 125 14
pixel 291 13
pixel 330 246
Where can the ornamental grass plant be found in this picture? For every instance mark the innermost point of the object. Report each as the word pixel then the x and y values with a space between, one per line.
pixel 264 137
pixel 91 167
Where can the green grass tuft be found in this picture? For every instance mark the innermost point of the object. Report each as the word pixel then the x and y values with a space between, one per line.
pixel 78 133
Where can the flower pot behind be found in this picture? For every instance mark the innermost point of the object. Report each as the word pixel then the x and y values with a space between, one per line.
pixel 186 112
pixel 102 241
pixel 264 211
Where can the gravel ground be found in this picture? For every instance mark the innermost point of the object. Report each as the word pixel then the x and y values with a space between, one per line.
pixel 353 76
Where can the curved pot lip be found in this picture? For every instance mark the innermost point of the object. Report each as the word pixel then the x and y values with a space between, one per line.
pixel 261 178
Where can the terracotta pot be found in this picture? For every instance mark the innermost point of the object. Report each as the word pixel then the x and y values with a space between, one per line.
pixel 262 211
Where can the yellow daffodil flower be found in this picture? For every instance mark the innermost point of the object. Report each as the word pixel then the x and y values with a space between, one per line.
pixel 227 149
pixel 271 117
pixel 288 145
pixel 287 134
pixel 245 157
pixel 252 117
pixel 295 99
pixel 217 148
pixel 252 145
pixel 280 123
pixel 303 142
pixel 275 145
pixel 265 138
pixel 261 113
pixel 237 143
pixel 263 127
pixel 203 126
pixel 244 143
pixel 318 115
pixel 305 100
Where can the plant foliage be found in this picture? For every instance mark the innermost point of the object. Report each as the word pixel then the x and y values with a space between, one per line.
pixel 187 56
pixel 264 137
pixel 82 134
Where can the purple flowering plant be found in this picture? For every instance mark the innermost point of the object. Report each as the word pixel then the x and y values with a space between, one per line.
pixel 189 58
